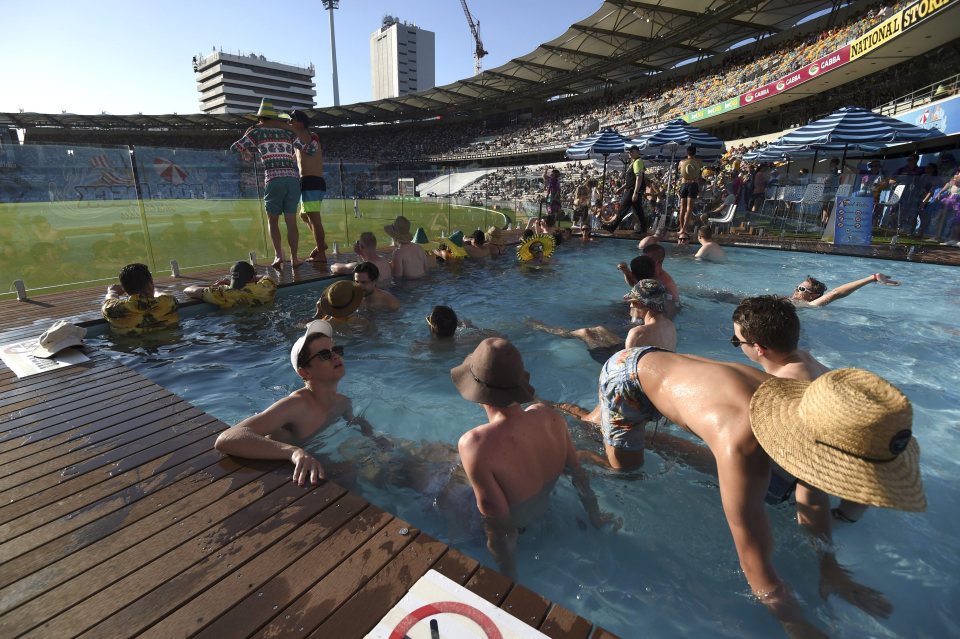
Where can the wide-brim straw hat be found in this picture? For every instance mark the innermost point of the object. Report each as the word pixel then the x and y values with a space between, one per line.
pixel 847 433
pixel 527 249
pixel 342 298
pixel 493 374
pixel 399 230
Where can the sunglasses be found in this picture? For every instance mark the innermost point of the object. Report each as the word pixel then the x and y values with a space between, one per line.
pixel 803 289
pixel 737 343
pixel 325 354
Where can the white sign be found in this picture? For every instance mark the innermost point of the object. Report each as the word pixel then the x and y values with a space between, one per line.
pixel 438 608
pixel 18 358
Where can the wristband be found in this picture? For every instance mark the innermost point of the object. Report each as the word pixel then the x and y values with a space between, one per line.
pixel 875 278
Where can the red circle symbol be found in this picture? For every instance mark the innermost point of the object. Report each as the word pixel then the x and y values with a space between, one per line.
pixel 454 607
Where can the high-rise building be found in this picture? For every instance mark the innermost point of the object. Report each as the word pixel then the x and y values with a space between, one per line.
pixel 402 59
pixel 236 83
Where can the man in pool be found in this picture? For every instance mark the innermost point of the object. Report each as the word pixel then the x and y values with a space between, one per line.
pixel 658 254
pixel 514 460
pixel 366 250
pixel 767 330
pixel 277 432
pixel 812 292
pixel 409 260
pixel 242 288
pixel 134 307
pixel 842 433
pixel 365 274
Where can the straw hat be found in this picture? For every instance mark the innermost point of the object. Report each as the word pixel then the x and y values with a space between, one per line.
pixel 316 326
pixel 267 110
pixel 58 337
pixel 650 293
pixel 341 298
pixel 847 433
pixel 399 230
pixel 493 374
pixel 495 236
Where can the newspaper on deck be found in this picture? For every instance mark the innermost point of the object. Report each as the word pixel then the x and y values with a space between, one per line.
pixel 437 607
pixel 17 356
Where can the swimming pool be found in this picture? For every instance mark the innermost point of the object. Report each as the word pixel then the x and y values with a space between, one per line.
pixel 671 569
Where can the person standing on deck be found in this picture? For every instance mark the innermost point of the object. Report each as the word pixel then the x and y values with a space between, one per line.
pixel 313 188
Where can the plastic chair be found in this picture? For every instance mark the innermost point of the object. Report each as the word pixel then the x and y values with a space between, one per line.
pixel 891 202
pixel 791 195
pixel 812 195
pixel 727 218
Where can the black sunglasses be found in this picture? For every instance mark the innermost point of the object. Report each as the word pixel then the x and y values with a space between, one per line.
pixel 736 343
pixel 325 354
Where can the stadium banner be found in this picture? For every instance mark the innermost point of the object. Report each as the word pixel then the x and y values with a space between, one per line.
pixel 942 116
pixel 827 63
pixel 712 110
pixel 895 25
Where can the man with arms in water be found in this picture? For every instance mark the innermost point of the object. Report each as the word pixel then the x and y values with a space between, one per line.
pixel 277 432
pixel 514 460
pixel 812 292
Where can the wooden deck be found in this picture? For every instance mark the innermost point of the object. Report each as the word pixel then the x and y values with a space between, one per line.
pixel 118 519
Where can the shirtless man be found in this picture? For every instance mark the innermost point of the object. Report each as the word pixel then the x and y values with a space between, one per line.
pixel 313 188
pixel 478 247
pixel 365 274
pixel 277 432
pixel 658 254
pixel 366 250
pixel 767 330
pixel 647 303
pixel 811 292
pixel 409 260
pixel 860 419
pixel 709 250
pixel 690 170
pixel 514 460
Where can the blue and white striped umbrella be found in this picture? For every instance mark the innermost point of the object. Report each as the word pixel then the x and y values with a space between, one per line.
pixel 776 151
pixel 855 128
pixel 663 143
pixel 603 143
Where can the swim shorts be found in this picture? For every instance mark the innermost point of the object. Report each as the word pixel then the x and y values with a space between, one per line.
pixel 689 189
pixel 313 188
pixel 281 196
pixel 781 485
pixel 624 407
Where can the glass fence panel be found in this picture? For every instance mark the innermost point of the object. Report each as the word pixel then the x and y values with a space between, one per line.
pixel 67 214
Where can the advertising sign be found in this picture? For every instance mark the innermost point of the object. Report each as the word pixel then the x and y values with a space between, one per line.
pixel 942 116
pixel 853 220
pixel 827 63
pixel 713 109
pixel 894 25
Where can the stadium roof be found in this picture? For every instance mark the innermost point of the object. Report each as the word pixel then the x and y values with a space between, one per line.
pixel 624 40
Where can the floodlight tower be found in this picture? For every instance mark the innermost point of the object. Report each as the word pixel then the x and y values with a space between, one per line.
pixel 330 5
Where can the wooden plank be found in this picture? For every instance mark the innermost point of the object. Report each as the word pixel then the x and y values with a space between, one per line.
pixel 26 498
pixel 68 450
pixel 526 605
pixel 560 623
pixel 600 633
pixel 74 605
pixel 323 599
pixel 456 566
pixel 174 450
pixel 69 534
pixel 358 615
pixel 250 561
pixel 490 585
pixel 277 576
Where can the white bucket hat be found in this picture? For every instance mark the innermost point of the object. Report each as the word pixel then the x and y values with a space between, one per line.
pixel 58 337
pixel 316 326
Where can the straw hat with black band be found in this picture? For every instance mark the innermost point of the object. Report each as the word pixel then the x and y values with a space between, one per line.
pixel 848 433
pixel 340 299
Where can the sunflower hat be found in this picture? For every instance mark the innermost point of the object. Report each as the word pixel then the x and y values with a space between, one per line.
pixel 533 247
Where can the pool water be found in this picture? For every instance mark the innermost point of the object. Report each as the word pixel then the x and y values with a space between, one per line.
pixel 671 569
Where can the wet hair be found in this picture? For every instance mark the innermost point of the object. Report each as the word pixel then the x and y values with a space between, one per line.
pixel 304 353
pixel 769 320
pixel 656 252
pixel 479 239
pixel 368 240
pixel 369 268
pixel 706 232
pixel 643 267
pixel 817 286
pixel 443 321
pixel 557 238
pixel 134 278
pixel 527 234
pixel 691 150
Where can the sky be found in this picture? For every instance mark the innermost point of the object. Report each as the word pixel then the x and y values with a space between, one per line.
pixel 126 57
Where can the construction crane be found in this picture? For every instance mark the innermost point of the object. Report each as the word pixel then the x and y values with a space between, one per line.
pixel 478 51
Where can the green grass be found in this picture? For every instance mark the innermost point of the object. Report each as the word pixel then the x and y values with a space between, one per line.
pixel 67 245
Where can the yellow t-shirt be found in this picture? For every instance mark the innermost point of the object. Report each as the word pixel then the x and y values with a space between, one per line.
pixel 139 314
pixel 253 294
